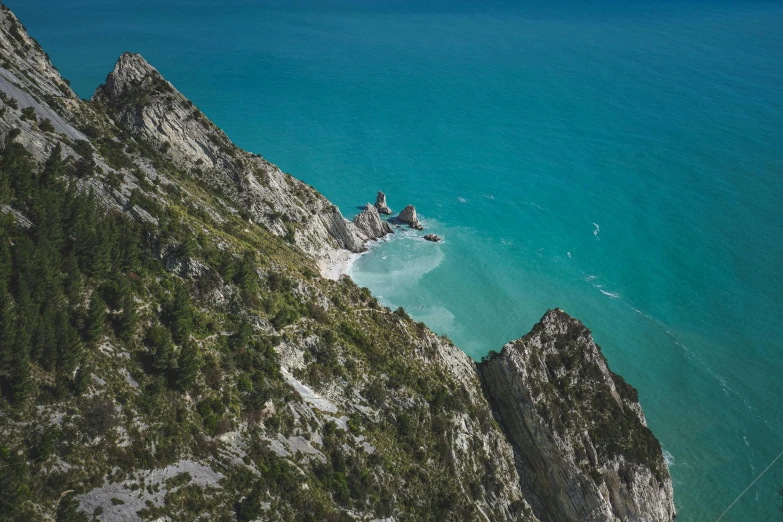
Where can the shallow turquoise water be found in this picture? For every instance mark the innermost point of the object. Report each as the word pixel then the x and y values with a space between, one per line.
pixel 622 162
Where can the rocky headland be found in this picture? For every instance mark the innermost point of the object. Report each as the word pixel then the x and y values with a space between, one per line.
pixel 172 347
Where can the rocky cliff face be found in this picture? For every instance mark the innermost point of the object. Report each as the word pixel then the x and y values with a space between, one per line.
pixel 581 443
pixel 205 369
pixel 142 102
pixel 370 224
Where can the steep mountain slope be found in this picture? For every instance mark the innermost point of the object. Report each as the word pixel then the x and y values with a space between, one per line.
pixel 581 442
pixel 169 351
pixel 140 101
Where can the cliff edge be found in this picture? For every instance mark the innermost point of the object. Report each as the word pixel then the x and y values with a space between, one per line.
pixel 581 443
pixel 169 352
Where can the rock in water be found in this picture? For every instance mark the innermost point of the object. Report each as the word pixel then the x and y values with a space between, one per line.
pixel 581 443
pixel 370 224
pixel 380 204
pixel 408 215
pixel 433 237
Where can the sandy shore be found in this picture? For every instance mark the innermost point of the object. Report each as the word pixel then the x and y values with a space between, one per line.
pixel 337 264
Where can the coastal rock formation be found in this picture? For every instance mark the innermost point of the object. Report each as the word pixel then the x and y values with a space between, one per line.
pixel 433 237
pixel 380 204
pixel 408 215
pixel 581 443
pixel 142 102
pixel 370 224
pixel 194 365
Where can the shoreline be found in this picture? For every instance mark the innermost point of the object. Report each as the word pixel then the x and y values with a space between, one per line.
pixel 338 264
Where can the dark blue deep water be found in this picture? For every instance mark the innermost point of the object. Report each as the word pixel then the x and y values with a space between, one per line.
pixel 620 160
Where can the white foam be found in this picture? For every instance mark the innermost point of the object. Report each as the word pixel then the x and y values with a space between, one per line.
pixel 668 457
pixel 596 231
pixel 609 294
pixel 569 255
pixel 462 200
pixel 589 278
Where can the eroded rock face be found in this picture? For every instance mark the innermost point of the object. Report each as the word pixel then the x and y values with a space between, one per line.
pixel 574 441
pixel 408 215
pixel 140 100
pixel 380 204
pixel 582 447
pixel 370 224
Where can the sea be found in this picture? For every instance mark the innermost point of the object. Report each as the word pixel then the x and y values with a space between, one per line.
pixel 621 160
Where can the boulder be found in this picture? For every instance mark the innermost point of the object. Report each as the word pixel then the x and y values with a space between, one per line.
pixel 433 237
pixel 408 215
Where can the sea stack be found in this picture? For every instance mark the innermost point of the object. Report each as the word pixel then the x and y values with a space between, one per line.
pixel 370 224
pixel 408 215
pixel 380 204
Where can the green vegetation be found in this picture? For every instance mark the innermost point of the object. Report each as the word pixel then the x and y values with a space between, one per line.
pixel 85 298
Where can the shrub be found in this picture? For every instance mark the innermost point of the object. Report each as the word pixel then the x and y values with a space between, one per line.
pixel 28 113
pixel 46 125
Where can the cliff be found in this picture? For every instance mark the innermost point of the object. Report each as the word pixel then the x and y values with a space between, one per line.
pixel 139 100
pixel 169 351
pixel 581 443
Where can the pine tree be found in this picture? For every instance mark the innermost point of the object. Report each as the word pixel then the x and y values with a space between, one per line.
pixel 246 278
pixel 6 261
pixel 129 316
pixel 74 286
pixel 181 316
pixel 163 357
pixel 96 318
pixel 7 330
pixel 131 260
pixel 69 345
pixel 45 341
pixel 188 366
pixel 54 166
pixel 21 382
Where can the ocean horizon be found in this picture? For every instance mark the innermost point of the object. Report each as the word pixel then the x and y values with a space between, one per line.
pixel 621 161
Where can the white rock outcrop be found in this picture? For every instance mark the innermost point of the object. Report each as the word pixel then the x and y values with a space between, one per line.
pixel 582 447
pixel 408 215
pixel 380 204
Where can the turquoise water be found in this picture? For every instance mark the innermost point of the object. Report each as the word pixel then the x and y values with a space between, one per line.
pixel 620 161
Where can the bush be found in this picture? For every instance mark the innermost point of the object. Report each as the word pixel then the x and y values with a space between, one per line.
pixel 46 125
pixel 28 113
pixel 400 312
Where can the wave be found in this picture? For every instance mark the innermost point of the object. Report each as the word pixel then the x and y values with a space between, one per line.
pixel 462 200
pixel 610 294
pixel 597 230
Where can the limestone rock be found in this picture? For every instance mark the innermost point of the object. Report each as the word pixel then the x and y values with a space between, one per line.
pixel 433 237
pixel 19 218
pixel 370 224
pixel 408 215
pixel 581 443
pixel 380 204
pixel 139 99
